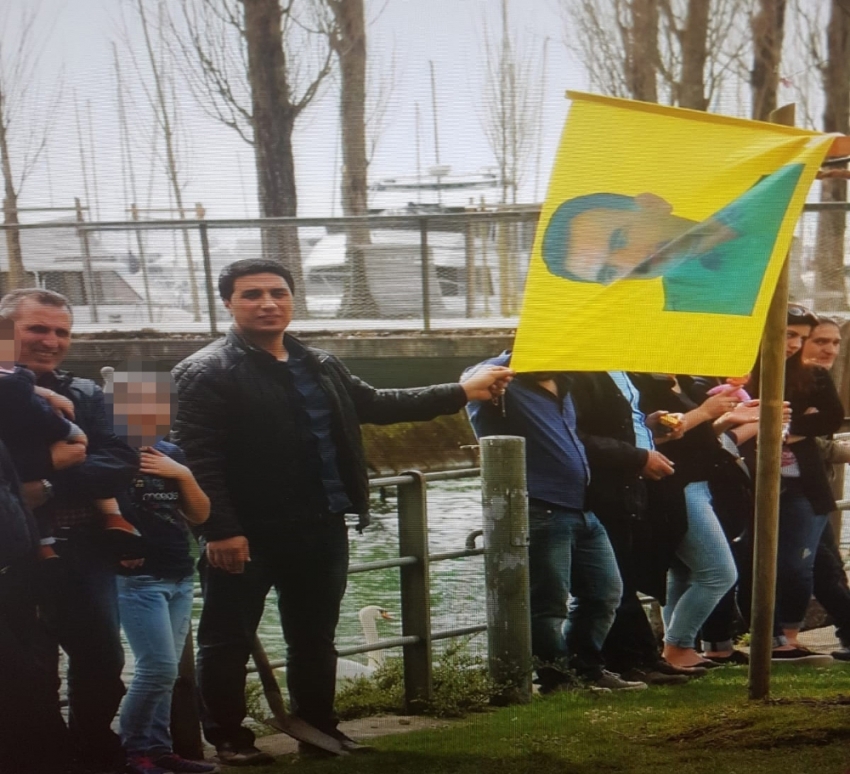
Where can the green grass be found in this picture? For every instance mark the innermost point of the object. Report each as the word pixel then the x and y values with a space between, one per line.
pixel 705 727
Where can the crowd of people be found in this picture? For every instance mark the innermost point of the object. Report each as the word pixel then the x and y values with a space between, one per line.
pixel 639 484
pixel 643 484
pixel 264 459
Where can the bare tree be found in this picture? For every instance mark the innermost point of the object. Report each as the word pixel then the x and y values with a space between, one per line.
pixel 830 293
pixel 768 28
pixel 24 129
pixel 512 101
pixel 617 40
pixel 677 51
pixel 155 71
pixel 255 65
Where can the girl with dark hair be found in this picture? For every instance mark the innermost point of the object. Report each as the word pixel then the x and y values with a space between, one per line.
pixel 805 498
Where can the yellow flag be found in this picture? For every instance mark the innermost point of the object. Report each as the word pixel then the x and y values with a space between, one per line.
pixel 661 239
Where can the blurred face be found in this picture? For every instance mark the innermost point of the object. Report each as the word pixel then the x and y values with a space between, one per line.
pixel 142 406
pixel 44 335
pixel 795 335
pixel 821 348
pixel 261 305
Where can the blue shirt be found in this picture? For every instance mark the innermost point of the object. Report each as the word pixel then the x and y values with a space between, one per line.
pixel 556 465
pixel 318 410
pixel 643 435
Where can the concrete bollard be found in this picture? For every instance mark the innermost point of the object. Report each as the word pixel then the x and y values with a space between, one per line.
pixel 505 502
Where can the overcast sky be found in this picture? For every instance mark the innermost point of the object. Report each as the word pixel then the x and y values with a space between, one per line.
pixel 219 166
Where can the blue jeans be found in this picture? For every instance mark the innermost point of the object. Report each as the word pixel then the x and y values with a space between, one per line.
pixel 570 556
pixel 80 607
pixel 155 615
pixel 800 530
pixel 703 570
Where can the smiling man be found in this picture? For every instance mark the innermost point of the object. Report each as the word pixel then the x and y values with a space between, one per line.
pixel 80 604
pixel 271 430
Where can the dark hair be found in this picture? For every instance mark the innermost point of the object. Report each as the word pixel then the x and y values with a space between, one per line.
pixel 799 377
pixel 800 315
pixel 247 266
pixel 556 240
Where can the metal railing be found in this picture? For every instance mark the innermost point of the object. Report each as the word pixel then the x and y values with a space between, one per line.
pixel 430 269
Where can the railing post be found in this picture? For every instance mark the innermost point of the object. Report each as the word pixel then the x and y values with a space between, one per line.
pixel 506 534
pixel 208 280
pixel 415 592
pixel 426 277
pixel 185 718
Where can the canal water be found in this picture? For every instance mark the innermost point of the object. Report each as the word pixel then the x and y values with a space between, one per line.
pixel 457 585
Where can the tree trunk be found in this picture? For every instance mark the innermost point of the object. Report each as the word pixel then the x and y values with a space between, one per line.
pixel 273 123
pixel 694 56
pixel 349 43
pixel 768 26
pixel 642 51
pixel 16 277
pixel 830 292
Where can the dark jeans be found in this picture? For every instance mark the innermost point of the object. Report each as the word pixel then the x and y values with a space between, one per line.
pixel 830 584
pixel 575 589
pixel 307 565
pixel 33 736
pixel 631 642
pixel 80 606
pixel 800 530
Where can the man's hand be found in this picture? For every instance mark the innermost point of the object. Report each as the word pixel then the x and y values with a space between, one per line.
pixel 67 455
pixel 33 494
pixel 132 564
pixel 229 555
pixel 657 466
pixel 487 382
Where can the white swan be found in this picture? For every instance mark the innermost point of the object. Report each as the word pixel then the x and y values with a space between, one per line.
pixel 346 668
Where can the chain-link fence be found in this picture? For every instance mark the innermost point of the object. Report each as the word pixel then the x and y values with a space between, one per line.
pixel 419 271
pixel 429 269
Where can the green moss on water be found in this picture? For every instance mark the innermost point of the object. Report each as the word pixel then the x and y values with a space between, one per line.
pixel 435 445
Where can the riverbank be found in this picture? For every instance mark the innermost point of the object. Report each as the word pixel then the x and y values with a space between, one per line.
pixel 705 727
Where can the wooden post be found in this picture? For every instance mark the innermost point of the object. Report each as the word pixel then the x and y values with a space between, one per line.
pixel 506 534
pixel 88 275
pixel 200 212
pixel 143 262
pixel 415 592
pixel 772 386
pixel 426 279
pixel 185 717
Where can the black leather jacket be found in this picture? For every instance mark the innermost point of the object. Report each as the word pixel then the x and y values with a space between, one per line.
pixel 236 424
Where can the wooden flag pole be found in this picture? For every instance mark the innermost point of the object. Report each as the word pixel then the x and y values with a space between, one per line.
pixel 772 384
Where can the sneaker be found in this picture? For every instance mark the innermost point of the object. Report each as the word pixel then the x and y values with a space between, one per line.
pixel 654 678
pixel 230 755
pixel 612 682
pixel 735 658
pixel 173 762
pixel 801 655
pixel 141 764
pixel 842 654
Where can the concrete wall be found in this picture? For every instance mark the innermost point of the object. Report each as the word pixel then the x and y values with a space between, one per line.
pixel 383 361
